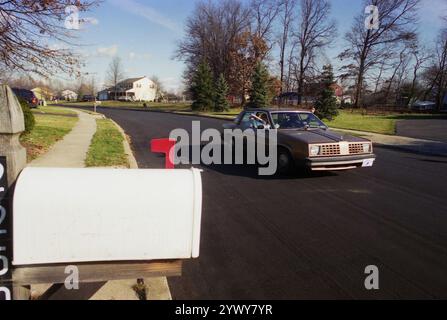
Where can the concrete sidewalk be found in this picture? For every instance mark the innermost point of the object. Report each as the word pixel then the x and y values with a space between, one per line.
pixel 427 147
pixel 71 151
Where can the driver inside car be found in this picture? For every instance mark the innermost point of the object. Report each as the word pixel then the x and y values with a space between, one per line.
pixel 291 121
pixel 257 121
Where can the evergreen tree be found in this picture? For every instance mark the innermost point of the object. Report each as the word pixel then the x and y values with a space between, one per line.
pixel 220 98
pixel 259 90
pixel 202 88
pixel 326 105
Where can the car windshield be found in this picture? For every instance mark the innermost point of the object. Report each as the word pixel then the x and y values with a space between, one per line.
pixel 296 120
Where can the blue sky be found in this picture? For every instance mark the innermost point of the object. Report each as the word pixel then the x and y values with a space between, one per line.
pixel 144 34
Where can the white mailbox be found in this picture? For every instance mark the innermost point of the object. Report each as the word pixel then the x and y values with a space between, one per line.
pixel 93 215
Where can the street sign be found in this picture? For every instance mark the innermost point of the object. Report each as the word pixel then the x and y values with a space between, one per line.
pixel 5 235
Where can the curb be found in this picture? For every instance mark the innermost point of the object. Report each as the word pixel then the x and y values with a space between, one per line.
pixel 133 164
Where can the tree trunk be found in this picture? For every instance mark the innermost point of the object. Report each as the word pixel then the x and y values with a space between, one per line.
pixel 301 78
pixel 359 87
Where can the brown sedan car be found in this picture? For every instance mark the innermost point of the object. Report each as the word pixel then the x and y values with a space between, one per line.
pixel 305 141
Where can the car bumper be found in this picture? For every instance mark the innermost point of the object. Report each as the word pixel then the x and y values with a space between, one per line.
pixel 340 163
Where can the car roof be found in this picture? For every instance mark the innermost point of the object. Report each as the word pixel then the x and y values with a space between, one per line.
pixel 23 92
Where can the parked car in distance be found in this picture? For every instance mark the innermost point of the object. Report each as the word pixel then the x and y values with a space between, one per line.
pixel 423 105
pixel 28 96
pixel 305 141
pixel 87 98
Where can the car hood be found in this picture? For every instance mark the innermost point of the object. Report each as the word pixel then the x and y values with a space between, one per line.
pixel 312 136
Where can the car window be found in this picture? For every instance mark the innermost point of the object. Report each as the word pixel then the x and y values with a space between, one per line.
pixel 246 119
pixel 310 120
pixel 295 120
pixel 264 117
pixel 254 119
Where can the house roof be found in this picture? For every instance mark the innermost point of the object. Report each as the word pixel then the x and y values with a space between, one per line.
pixel 129 81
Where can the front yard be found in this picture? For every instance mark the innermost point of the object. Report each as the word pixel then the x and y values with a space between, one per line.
pixel 49 129
pixel 355 121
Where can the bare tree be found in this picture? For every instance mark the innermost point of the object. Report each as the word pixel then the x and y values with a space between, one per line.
pixel 26 30
pixel 398 70
pixel 421 56
pixel 286 15
pixel 93 87
pixel 315 32
pixel 212 33
pixel 264 14
pixel 440 67
pixel 397 20
pixel 115 74
pixel 159 90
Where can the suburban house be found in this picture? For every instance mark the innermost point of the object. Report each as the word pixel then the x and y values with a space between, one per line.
pixel 132 89
pixel 68 95
pixel 43 94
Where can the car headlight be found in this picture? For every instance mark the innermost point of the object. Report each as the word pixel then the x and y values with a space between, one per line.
pixel 314 151
pixel 366 147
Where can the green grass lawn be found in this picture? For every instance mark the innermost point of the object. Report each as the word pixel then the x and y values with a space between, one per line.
pixel 48 130
pixel 106 149
pixel 357 121
pixel 53 110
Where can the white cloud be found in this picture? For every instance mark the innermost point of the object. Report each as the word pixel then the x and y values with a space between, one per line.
pixel 146 12
pixel 107 51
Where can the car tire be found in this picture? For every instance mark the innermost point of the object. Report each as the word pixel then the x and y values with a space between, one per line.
pixel 285 162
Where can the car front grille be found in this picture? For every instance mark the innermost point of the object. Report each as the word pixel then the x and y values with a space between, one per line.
pixel 356 148
pixel 330 150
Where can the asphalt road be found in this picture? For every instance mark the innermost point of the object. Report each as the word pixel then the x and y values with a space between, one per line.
pixel 429 129
pixel 311 237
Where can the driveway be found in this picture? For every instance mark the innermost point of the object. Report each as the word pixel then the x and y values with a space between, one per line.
pixel 433 129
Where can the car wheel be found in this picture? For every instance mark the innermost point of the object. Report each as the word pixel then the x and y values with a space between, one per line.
pixel 285 161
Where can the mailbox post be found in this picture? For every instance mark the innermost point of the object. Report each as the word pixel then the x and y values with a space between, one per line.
pixel 12 161
pixel 5 235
